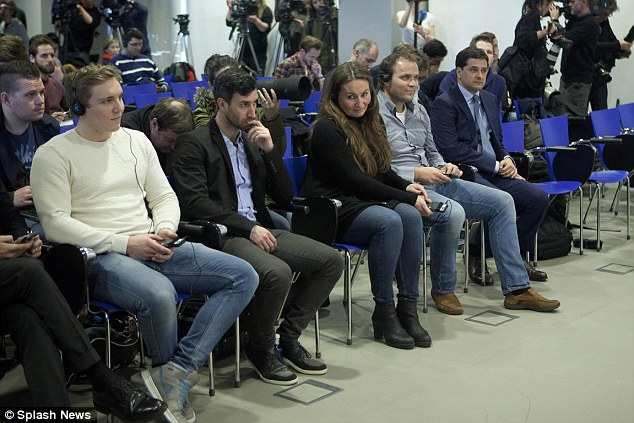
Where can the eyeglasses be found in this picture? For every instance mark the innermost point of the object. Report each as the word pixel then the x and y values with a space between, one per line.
pixel 135 44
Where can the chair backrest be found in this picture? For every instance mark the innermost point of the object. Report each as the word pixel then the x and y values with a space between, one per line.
pixel 605 123
pixel 513 136
pixel 142 100
pixel 297 168
pixel 311 104
pixel 130 90
pixel 627 115
pixel 181 89
pixel 554 134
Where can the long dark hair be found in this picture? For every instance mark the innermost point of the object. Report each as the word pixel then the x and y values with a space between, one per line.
pixel 367 140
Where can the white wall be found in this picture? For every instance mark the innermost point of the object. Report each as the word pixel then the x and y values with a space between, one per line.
pixel 457 21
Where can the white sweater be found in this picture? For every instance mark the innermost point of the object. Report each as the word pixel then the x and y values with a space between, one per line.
pixel 91 193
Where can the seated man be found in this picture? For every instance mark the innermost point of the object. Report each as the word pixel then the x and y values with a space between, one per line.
pixel 162 123
pixel 91 185
pixel 42 54
pixel 415 158
pixel 36 315
pixel 136 68
pixel 495 84
pixel 466 127
pixel 304 63
pixel 221 173
pixel 24 128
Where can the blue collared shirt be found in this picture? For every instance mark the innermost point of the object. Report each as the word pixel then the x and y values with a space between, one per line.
pixel 242 174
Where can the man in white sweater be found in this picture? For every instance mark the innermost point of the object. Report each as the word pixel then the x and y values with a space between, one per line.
pixel 89 186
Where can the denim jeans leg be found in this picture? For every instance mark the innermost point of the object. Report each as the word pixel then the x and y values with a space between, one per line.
pixel 444 239
pixel 411 252
pixel 381 229
pixel 132 285
pixel 228 281
pixel 497 209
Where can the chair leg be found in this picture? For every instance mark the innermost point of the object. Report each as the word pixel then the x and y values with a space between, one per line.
pixel 347 292
pixel 237 364
pixel 465 252
pixel 317 340
pixel 614 206
pixel 598 220
pixel 212 385
pixel 142 363
pixel 580 221
pixel 424 264
pixel 482 253
pixel 106 316
pixel 628 207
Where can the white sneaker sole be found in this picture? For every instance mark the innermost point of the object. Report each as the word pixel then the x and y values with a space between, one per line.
pixel 153 390
pixel 304 371
pixel 273 381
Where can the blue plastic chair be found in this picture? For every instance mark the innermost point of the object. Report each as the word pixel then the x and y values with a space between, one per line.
pixel 626 111
pixel 311 104
pixel 142 100
pixel 606 123
pixel 130 90
pixel 513 140
pixel 181 89
pixel 569 167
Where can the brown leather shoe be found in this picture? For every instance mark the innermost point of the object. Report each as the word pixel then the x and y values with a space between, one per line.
pixel 475 272
pixel 447 303
pixel 529 300
pixel 534 274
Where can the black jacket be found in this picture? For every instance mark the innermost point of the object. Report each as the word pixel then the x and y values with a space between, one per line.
pixel 577 62
pixel 205 183
pixel 11 223
pixel 12 173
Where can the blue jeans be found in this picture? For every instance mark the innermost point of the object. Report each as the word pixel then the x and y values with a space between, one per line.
pixel 149 289
pixel 395 247
pixel 474 201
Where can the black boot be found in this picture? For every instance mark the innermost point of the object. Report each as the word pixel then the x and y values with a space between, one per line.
pixel 408 316
pixel 386 325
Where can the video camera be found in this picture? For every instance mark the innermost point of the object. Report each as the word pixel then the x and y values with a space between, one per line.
pixel 183 23
pixel 285 14
pixel 240 9
pixel 114 10
pixel 597 7
pixel 63 10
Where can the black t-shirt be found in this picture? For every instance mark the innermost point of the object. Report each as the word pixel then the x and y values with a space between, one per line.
pixel 81 32
pixel 577 63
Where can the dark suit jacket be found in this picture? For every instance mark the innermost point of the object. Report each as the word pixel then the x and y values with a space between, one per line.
pixel 205 183
pixel 455 133
pixel 11 223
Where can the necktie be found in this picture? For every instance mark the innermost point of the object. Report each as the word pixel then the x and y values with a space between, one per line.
pixel 483 133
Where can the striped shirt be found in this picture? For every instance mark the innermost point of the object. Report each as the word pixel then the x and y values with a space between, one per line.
pixel 138 70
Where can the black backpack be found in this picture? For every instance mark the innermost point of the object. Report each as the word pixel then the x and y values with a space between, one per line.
pixel 181 72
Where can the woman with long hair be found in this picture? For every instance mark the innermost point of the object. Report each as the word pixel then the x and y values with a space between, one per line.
pixel 259 26
pixel 349 160
pixel 530 39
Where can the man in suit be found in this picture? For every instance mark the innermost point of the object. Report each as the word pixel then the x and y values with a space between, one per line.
pixel 221 173
pixel 466 128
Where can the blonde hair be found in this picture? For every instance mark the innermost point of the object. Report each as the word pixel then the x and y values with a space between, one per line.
pixel 366 137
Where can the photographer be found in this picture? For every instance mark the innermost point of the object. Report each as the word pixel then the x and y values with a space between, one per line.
pixel 577 64
pixel 135 16
pixel 258 23
pixel 82 22
pixel 530 39
pixel 424 25
pixel 609 48
pixel 322 23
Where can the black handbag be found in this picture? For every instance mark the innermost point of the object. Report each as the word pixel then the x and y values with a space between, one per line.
pixel 519 71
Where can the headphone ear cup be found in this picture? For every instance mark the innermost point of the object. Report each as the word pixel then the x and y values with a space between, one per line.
pixel 333 96
pixel 387 77
pixel 78 108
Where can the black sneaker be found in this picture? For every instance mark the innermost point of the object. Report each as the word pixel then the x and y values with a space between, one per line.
pixel 299 359
pixel 270 367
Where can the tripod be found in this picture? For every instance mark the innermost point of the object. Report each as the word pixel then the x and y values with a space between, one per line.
pixel 282 44
pixel 330 40
pixel 243 38
pixel 116 32
pixel 182 43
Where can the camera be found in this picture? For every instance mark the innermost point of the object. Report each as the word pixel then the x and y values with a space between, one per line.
pixel 114 10
pixel 240 9
pixel 559 30
pixel 63 10
pixel 183 23
pixel 603 73
pixel 285 14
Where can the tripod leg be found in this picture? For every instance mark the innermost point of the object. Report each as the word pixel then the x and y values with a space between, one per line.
pixel 255 58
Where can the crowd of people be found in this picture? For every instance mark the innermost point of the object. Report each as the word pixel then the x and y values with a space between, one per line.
pixel 385 143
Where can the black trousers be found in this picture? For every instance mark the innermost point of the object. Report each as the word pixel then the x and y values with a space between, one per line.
pixel 36 315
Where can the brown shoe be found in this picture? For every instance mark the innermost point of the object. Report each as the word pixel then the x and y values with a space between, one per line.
pixel 447 303
pixel 529 300
pixel 534 274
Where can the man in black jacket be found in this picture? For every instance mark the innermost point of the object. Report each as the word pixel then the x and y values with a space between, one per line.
pixel 221 173
pixel 36 315
pixel 162 123
pixel 23 128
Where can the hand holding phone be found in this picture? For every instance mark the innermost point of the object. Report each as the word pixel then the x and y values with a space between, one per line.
pixel 174 243
pixel 439 207
pixel 26 238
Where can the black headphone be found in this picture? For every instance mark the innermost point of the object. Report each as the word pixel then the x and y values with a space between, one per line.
pixel 77 108
pixel 386 77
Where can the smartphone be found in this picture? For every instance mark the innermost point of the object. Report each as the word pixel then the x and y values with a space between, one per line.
pixel 26 238
pixel 439 207
pixel 174 243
